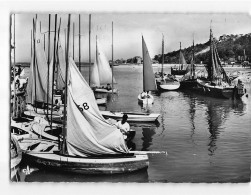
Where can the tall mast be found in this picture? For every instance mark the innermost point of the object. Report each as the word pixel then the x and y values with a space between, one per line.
pixel 48 63
pixel 79 48
pixel 14 73
pixel 193 60
pixel 180 58
pixel 34 58
pixel 53 69
pixel 73 40
pixel 63 151
pixel 89 49
pixel 96 49
pixel 112 57
pixel 162 71
pixel 31 43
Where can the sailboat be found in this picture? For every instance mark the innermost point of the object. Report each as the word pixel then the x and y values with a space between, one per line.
pixel 93 146
pixel 181 70
pixel 169 82
pixel 189 80
pixel 148 76
pixel 217 84
pixel 101 73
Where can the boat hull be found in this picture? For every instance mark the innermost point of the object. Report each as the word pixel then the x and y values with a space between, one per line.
pixel 132 117
pixel 148 100
pixel 88 165
pixel 103 90
pixel 168 86
pixel 188 84
pixel 214 91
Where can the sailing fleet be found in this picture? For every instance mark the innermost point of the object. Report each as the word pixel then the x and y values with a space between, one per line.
pixel 65 130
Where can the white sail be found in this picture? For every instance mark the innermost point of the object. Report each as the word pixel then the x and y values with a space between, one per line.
pixel 105 72
pixel 61 67
pixel 148 75
pixel 88 133
pixel 40 77
pixel 94 81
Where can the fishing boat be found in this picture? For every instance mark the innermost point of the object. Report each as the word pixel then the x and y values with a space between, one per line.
pixel 217 84
pixel 90 144
pixel 189 80
pixel 132 116
pixel 181 69
pixel 168 82
pixel 101 73
pixel 148 77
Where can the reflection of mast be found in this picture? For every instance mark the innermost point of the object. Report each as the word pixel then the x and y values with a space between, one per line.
pixel 192 115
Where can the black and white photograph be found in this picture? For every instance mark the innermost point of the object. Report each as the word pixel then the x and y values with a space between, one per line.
pixel 129 97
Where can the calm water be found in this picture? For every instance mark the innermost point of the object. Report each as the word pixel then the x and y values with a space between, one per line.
pixel 206 139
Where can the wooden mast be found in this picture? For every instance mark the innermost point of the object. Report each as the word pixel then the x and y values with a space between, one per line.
pixel 31 43
pixel 179 58
pixel 79 47
pixel 34 58
pixel 162 66
pixel 112 57
pixel 63 151
pixel 89 49
pixel 73 40
pixel 48 65
pixel 53 69
pixel 14 64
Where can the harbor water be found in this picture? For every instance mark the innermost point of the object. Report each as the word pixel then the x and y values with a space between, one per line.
pixel 204 139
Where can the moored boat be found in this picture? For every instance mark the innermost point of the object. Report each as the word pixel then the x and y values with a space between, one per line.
pixel 189 81
pixel 132 116
pixel 181 69
pixel 168 82
pixel 145 97
pixel 218 84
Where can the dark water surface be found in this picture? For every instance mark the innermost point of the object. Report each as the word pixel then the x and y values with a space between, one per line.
pixel 206 139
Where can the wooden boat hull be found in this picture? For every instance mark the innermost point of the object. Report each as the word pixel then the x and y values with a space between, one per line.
pixel 148 100
pixel 188 84
pixel 132 117
pixel 103 90
pixel 214 91
pixel 168 86
pixel 87 165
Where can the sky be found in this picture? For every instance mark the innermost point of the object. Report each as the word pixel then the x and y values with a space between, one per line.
pixel 128 29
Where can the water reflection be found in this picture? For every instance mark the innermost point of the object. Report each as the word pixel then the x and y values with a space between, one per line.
pixel 147 138
pixel 218 111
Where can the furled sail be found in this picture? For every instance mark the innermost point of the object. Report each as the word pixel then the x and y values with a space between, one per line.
pixel 40 75
pixel 61 67
pixel 148 75
pixel 105 72
pixel 94 81
pixel 215 71
pixel 88 133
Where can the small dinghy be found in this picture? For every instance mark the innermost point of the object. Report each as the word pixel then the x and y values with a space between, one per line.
pixel 148 77
pixel 132 116
pixel 166 82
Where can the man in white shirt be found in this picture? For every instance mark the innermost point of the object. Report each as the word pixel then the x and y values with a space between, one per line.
pixel 123 126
